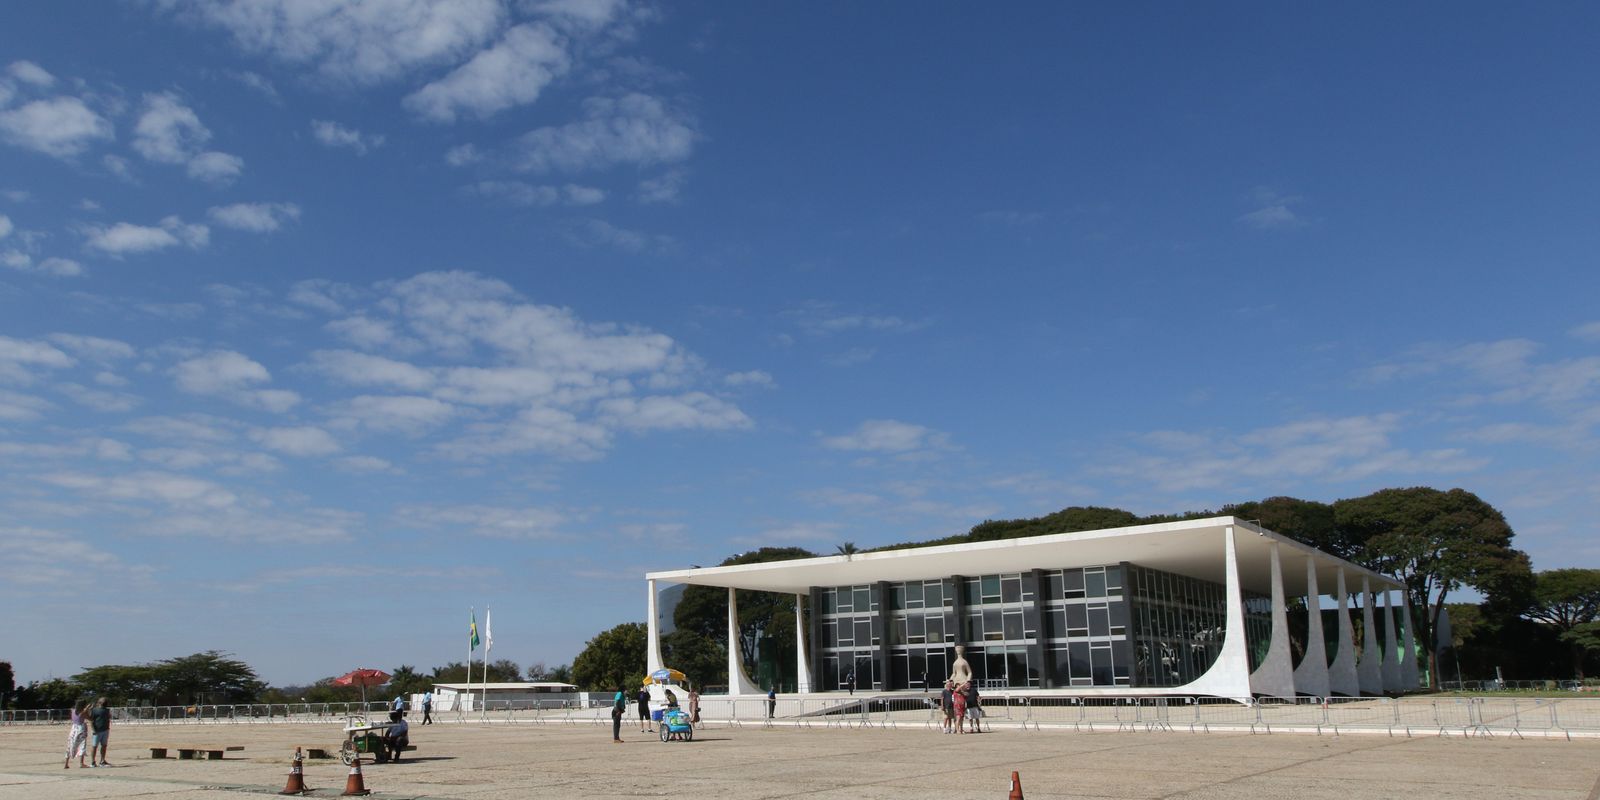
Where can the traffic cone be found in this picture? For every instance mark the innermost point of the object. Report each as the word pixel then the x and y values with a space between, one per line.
pixel 353 785
pixel 297 777
pixel 1016 787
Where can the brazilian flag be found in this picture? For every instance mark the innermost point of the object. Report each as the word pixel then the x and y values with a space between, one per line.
pixel 474 630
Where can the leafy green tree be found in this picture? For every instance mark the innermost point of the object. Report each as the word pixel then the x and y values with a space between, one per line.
pixel 762 615
pixel 1585 638
pixel 406 680
pixel 8 684
pixel 1305 521
pixel 210 677
pixel 704 661
pixel 1435 542
pixel 120 684
pixel 846 549
pixel 538 672
pixel 613 657
pixel 53 693
pixel 1567 599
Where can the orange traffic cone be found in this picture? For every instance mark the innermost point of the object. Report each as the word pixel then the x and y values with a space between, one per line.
pixel 297 776
pixel 353 785
pixel 1016 787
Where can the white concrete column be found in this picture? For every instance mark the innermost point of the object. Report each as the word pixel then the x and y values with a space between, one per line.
pixel 1342 678
pixel 738 682
pixel 1370 668
pixel 1311 677
pixel 803 664
pixel 1391 647
pixel 1230 675
pixel 652 657
pixel 1275 675
pixel 1410 676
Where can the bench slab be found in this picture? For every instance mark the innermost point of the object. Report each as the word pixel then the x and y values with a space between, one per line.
pixel 190 752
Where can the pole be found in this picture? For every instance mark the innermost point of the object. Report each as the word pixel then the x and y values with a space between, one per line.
pixel 473 611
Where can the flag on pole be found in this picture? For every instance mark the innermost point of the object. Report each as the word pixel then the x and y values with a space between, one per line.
pixel 474 630
pixel 488 632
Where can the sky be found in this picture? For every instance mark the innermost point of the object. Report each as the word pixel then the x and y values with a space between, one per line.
pixel 324 324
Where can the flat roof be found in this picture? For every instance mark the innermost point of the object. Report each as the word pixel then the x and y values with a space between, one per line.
pixel 1189 547
pixel 475 687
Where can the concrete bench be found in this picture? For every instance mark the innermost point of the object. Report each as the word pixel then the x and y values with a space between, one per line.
pixel 191 752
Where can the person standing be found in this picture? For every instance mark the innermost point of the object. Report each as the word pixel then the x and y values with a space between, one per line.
pixel 427 707
pixel 947 702
pixel 958 706
pixel 850 682
pixel 772 701
pixel 399 703
pixel 619 706
pixel 694 706
pixel 100 725
pixel 77 735
pixel 974 710
pixel 644 709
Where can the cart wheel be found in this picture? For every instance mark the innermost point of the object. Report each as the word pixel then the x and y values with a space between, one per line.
pixel 688 735
pixel 347 753
pixel 665 733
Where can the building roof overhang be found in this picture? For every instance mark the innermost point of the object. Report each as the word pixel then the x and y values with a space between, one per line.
pixel 1190 547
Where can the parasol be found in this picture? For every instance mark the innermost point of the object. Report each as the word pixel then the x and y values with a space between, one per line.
pixel 362 678
pixel 663 675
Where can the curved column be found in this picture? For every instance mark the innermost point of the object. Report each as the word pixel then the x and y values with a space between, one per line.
pixel 1311 677
pixel 1230 675
pixel 1410 678
pixel 1342 678
pixel 738 682
pixel 652 657
pixel 1391 648
pixel 1370 668
pixel 802 662
pixel 1275 675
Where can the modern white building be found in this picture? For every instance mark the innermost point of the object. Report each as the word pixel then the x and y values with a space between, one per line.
pixel 467 697
pixel 1198 607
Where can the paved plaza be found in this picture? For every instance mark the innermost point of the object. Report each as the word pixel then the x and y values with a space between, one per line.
pixel 487 762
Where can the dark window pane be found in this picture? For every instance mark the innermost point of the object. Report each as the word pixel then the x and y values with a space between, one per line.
pixel 970 594
pixel 1095 584
pixel 863 633
pixel 1052 585
pixel 1113 577
pixel 897 596
pixel 935 624
pixel 933 595
pixel 1013 626
pixel 1099 622
pixel 1077 620
pixel 991 587
pixel 1058 624
pixel 863 600
pixel 1061 666
pixel 913 592
pixel 996 659
pixel 1080 659
pixel 991 624
pixel 1011 590
pixel 1102 666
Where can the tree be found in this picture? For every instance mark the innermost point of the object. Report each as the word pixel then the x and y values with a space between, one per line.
pixel 612 658
pixel 8 684
pixel 846 549
pixel 208 678
pixel 406 680
pixel 1567 599
pixel 53 693
pixel 1305 521
pixel 704 661
pixel 538 672
pixel 1435 542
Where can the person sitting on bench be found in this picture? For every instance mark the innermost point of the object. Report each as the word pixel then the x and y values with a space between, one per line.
pixel 397 736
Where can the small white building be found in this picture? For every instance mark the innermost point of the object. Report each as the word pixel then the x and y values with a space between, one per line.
pixel 467 697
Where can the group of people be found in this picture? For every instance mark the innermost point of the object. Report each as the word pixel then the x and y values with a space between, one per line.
pixel 88 734
pixel 619 708
pixel 962 712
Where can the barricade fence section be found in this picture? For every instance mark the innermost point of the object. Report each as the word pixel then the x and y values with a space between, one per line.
pixel 1408 716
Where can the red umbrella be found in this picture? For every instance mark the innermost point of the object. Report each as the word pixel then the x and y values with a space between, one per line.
pixel 362 678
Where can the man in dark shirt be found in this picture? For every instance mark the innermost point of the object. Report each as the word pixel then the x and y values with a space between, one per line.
pixel 397 736
pixel 100 728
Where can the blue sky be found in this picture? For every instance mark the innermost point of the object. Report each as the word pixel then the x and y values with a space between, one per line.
pixel 320 323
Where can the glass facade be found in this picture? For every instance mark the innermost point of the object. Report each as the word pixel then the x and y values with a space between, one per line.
pixel 1114 625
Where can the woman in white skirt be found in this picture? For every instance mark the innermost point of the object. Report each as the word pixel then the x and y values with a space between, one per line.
pixel 77 736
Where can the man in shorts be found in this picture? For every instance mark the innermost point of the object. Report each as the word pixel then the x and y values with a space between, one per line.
pixel 100 731
pixel 974 711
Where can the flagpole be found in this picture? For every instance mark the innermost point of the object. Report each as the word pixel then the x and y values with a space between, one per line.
pixel 488 646
pixel 473 611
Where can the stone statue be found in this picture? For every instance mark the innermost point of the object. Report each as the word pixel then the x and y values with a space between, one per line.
pixel 960 671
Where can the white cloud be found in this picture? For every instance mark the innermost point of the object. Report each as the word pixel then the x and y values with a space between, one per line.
pixel 753 377
pixel 320 294
pixel 634 129
pixel 521 522
pixel 19 357
pixel 164 487
pixel 60 126
pixel 360 369
pixel 31 73
pixel 511 73
pixel 887 436
pixel 168 132
pixel 524 194
pixel 224 373
pixel 215 167
pixel 94 347
pixel 45 559
pixel 691 411
pixel 254 217
pixel 118 166
pixel 1589 331
pixel 124 238
pixel 362 42
pixel 365 331
pixel 332 134
pixel 99 399
pixel 598 232
pixel 364 464
pixel 5 226
pixel 18 407
pixel 1274 212
pixel 821 319
pixel 301 441
pixel 663 188
pixel 389 413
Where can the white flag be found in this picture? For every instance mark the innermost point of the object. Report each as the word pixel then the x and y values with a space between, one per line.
pixel 488 633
